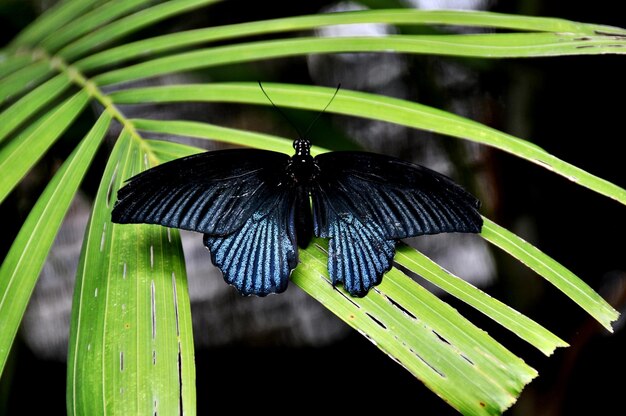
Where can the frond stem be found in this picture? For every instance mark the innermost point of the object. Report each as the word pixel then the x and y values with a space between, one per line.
pixel 78 78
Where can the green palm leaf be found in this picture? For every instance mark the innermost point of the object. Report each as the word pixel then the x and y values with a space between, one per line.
pixel 11 63
pixel 20 154
pixel 20 111
pixel 131 346
pixel 552 271
pixel 25 259
pixel 98 16
pixel 28 76
pixel 484 46
pixel 521 325
pixel 129 24
pixel 51 21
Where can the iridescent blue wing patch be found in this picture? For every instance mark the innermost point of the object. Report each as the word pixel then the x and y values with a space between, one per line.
pixel 213 193
pixel 358 252
pixel 258 258
pixel 365 202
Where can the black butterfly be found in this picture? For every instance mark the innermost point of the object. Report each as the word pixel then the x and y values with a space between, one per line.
pixel 255 207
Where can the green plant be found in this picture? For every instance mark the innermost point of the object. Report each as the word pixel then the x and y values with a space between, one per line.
pixel 131 279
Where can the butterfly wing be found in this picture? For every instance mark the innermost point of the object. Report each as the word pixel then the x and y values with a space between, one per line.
pixel 365 202
pixel 213 193
pixel 240 199
pixel 358 252
pixel 258 258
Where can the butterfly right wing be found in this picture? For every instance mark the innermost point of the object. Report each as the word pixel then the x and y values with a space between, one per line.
pixel 365 202
pixel 214 192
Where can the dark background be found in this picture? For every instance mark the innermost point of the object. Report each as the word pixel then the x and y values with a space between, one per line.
pixel 572 107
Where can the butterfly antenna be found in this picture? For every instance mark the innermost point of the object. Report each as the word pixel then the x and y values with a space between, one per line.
pixel 322 112
pixel 281 112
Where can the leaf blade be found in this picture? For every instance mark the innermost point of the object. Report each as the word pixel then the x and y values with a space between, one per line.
pixel 209 131
pixel 15 115
pixel 11 63
pixel 101 14
pixel 519 324
pixel 23 78
pixel 164 151
pixel 19 273
pixel 483 46
pixel 19 155
pixel 50 21
pixel 131 347
pixel 552 271
pixel 129 24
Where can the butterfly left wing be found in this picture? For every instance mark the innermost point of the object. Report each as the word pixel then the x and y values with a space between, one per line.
pixel 368 201
pixel 258 258
pixel 241 199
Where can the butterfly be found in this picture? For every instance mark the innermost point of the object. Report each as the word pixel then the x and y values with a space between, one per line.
pixel 256 207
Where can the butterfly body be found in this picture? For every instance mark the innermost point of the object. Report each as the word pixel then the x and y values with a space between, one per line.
pixel 302 171
pixel 256 207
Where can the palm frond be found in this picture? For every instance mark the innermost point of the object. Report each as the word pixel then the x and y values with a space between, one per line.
pixel 131 345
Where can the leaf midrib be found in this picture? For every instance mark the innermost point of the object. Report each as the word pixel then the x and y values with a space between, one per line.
pixel 78 78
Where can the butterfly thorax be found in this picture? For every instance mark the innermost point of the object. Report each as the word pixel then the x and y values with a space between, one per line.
pixel 302 168
pixel 302 147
